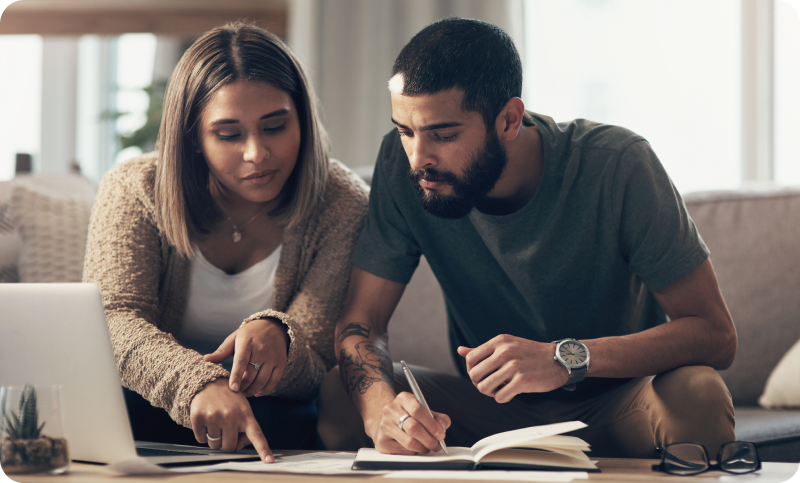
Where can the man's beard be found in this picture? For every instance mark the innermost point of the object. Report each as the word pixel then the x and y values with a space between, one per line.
pixel 483 170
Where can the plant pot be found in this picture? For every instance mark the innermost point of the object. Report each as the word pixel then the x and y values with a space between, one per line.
pixel 40 455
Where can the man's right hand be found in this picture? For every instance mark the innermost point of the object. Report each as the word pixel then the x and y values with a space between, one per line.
pixel 420 434
pixel 217 411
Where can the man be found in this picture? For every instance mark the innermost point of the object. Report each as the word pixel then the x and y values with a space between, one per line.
pixel 537 232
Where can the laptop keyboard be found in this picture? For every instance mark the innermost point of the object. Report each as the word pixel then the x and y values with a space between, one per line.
pixel 164 452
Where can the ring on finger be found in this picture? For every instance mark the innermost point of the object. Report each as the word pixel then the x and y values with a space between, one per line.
pixel 255 364
pixel 213 439
pixel 401 421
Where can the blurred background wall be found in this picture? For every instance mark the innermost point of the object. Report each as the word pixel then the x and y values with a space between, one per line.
pixel 711 84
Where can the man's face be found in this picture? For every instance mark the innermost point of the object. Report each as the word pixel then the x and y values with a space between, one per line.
pixel 455 162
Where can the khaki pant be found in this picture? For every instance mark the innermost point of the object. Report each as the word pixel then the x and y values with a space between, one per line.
pixel 687 404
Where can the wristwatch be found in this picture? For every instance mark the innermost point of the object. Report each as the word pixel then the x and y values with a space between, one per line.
pixel 574 355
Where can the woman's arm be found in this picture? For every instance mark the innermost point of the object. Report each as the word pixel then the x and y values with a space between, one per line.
pixel 139 276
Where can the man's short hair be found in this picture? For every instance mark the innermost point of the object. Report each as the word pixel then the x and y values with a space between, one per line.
pixel 475 56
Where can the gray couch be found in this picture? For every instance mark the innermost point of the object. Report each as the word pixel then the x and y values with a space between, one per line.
pixel 754 238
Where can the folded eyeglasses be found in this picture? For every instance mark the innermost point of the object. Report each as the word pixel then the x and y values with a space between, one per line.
pixel 737 457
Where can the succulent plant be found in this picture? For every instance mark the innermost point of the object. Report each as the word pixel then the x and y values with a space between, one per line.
pixel 23 425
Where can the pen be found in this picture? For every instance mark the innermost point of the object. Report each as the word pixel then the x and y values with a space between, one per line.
pixel 418 394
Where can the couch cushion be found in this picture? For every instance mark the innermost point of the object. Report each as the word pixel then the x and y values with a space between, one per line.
pixel 53 226
pixel 9 239
pixel 775 432
pixel 753 237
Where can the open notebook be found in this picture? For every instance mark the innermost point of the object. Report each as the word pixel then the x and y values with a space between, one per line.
pixel 534 448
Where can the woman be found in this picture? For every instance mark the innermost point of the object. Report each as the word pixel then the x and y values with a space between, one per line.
pixel 239 214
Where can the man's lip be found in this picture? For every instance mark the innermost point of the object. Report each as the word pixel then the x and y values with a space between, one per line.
pixel 260 174
pixel 430 183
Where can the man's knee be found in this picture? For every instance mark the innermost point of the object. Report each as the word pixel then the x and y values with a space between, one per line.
pixel 693 389
pixel 339 425
pixel 695 406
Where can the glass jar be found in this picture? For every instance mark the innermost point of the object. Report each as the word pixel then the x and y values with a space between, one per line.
pixel 32 436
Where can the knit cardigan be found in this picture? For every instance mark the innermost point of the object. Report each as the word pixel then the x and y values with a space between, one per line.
pixel 144 284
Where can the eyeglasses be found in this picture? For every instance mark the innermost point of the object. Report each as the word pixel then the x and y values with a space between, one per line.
pixel 738 457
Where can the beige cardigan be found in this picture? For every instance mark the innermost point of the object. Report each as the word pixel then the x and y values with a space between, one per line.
pixel 144 285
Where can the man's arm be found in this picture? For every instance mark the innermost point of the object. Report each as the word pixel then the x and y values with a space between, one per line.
pixel 701 332
pixel 366 369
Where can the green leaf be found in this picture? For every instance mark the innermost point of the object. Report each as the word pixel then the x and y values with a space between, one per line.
pixel 28 412
pixel 38 431
pixel 12 425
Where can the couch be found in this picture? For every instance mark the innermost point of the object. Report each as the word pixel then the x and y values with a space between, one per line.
pixel 754 237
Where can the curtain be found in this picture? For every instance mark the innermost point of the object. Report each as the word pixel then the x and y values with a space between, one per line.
pixel 349 46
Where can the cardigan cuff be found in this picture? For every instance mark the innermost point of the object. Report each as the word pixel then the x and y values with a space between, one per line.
pixel 297 354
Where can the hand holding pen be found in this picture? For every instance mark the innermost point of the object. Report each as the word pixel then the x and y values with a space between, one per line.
pixel 420 398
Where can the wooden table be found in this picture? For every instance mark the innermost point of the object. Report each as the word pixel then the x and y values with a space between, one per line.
pixel 613 469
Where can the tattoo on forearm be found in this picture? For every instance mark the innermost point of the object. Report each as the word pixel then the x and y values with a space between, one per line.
pixel 367 366
pixel 354 329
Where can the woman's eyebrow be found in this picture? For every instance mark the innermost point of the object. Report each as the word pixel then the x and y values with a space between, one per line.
pixel 279 112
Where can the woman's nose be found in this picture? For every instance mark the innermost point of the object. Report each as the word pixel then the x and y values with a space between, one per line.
pixel 256 150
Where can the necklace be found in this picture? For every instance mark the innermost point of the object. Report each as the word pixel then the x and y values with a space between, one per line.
pixel 237 230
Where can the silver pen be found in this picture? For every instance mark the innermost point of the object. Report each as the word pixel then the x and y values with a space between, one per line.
pixel 418 394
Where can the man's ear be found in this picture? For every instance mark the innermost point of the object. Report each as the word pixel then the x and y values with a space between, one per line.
pixel 510 119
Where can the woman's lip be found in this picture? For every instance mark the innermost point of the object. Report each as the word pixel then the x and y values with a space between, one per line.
pixel 260 175
pixel 261 179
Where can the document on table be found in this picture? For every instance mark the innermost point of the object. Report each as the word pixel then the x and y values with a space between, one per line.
pixel 491 475
pixel 309 464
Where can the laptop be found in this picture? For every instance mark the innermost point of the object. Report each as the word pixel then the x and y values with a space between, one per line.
pixel 56 333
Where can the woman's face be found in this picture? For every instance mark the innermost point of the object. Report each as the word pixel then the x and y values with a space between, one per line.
pixel 250 137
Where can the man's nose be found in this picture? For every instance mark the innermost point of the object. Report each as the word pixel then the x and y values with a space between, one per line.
pixel 420 156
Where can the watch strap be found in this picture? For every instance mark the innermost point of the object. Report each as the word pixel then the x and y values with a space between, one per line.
pixel 575 376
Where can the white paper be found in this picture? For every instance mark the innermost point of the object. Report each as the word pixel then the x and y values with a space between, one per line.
pixel 310 464
pixel 492 475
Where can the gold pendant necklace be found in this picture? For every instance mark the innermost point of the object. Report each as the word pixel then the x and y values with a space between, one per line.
pixel 237 230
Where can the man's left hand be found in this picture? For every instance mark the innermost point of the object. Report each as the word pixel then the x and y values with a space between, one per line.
pixel 507 365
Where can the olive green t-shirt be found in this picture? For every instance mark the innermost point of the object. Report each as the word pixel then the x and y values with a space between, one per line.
pixel 605 227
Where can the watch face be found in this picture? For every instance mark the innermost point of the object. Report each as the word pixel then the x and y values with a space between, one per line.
pixel 573 353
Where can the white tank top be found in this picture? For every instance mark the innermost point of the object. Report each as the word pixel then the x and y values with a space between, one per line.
pixel 218 303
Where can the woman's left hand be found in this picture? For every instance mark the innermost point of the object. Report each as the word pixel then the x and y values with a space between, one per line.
pixel 264 342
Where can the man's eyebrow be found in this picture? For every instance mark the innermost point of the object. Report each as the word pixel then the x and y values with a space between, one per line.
pixel 431 127
pixel 279 112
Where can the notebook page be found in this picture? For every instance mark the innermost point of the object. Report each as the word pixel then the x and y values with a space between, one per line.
pixel 510 439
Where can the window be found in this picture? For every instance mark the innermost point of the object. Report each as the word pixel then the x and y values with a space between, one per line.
pixel 112 73
pixel 787 94
pixel 670 71
pixel 20 99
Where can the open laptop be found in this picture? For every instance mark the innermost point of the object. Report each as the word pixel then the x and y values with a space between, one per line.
pixel 57 334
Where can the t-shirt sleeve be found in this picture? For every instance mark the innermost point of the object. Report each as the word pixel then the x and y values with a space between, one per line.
pixel 657 236
pixel 386 246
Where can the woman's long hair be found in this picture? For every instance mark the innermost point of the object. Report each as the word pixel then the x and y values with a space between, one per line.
pixel 185 210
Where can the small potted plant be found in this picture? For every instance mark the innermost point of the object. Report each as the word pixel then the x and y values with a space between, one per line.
pixel 23 447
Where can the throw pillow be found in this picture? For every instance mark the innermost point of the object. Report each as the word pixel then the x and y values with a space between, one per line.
pixel 53 227
pixel 9 239
pixel 783 385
